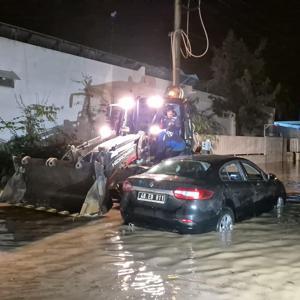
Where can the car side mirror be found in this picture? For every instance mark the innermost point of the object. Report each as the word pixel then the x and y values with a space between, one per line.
pixel 271 176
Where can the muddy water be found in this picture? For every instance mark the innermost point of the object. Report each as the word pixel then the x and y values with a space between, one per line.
pixel 54 258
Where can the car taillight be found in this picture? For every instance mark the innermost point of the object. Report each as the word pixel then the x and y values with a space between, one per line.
pixel 193 194
pixel 186 221
pixel 127 186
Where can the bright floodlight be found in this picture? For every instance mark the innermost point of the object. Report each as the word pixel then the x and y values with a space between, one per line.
pixel 105 131
pixel 127 102
pixel 155 101
pixel 155 130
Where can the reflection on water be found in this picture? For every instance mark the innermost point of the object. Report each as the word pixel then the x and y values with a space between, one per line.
pixel 260 259
pixel 134 275
pixel 20 226
pixel 6 238
pixel 104 259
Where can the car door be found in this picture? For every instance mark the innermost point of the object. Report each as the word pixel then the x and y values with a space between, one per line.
pixel 238 189
pixel 264 190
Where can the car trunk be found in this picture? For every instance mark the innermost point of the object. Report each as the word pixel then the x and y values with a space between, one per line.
pixel 153 194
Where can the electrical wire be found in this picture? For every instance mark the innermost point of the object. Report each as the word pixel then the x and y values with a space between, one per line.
pixel 186 38
pixel 187 51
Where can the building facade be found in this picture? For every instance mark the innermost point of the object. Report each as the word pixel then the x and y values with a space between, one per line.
pixel 78 80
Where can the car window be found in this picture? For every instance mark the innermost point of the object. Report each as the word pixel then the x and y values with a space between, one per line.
pixel 252 173
pixel 183 168
pixel 231 172
pixel 146 117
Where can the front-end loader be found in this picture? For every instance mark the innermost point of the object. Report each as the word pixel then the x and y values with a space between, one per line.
pixel 88 177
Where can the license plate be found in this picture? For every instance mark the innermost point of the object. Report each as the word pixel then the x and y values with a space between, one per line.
pixel 150 197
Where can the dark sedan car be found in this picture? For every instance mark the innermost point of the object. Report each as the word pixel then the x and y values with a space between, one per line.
pixel 199 193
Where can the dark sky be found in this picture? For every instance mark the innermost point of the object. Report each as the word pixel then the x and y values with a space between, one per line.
pixel 140 29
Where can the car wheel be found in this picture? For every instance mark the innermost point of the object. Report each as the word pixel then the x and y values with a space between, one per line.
pixel 226 220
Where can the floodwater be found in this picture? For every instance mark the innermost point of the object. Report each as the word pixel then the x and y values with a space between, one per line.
pixel 44 256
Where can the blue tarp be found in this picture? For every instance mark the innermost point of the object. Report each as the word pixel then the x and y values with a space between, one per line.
pixel 288 124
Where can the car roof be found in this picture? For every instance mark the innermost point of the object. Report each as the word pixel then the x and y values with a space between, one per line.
pixel 211 158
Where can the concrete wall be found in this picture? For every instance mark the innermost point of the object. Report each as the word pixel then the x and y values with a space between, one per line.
pixel 257 149
pixel 275 149
pixel 294 145
pixel 238 145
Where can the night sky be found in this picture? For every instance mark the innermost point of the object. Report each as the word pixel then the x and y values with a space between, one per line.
pixel 140 29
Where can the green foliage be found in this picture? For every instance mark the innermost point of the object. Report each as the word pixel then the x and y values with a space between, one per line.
pixel 285 105
pixel 204 124
pixel 31 123
pixel 203 121
pixel 28 134
pixel 240 81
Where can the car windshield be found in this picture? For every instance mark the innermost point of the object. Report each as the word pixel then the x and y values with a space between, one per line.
pixel 183 168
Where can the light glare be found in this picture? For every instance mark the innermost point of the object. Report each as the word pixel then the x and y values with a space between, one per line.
pixel 127 102
pixel 105 131
pixel 155 130
pixel 155 101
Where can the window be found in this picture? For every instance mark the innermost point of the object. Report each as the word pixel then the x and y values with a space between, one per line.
pixel 183 168
pixel 145 117
pixel 7 78
pixel 7 82
pixel 231 172
pixel 252 173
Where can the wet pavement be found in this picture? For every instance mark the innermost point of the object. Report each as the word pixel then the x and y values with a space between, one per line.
pixel 45 256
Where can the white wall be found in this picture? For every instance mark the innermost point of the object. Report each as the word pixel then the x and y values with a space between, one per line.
pixel 52 75
pixel 227 123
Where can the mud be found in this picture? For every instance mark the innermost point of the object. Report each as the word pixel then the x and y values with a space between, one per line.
pixel 50 257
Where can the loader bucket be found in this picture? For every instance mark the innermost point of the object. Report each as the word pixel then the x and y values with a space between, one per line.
pixel 81 187
pixel 61 186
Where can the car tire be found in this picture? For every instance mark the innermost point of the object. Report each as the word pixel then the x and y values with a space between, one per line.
pixel 281 201
pixel 225 220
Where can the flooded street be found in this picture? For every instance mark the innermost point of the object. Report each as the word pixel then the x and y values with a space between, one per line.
pixel 45 256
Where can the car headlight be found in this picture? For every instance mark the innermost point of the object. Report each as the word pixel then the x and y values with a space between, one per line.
pixel 105 131
pixel 155 130
pixel 127 102
pixel 155 101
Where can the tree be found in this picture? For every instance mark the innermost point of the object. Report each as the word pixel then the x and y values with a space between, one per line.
pixel 29 127
pixel 240 81
pixel 285 106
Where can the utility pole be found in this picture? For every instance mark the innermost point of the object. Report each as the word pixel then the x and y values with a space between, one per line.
pixel 177 40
